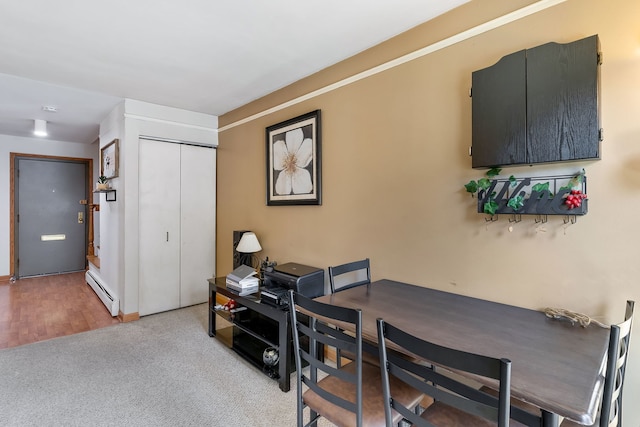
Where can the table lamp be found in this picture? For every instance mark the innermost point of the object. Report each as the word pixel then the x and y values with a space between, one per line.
pixel 248 245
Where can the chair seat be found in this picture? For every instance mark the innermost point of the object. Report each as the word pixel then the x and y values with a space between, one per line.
pixel 373 405
pixel 366 357
pixel 440 414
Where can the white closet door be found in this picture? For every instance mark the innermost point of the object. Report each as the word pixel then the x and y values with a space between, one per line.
pixel 198 225
pixel 159 227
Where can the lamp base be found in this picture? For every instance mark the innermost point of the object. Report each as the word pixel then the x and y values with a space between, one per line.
pixel 249 259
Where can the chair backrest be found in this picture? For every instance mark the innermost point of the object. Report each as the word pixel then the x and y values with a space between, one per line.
pixel 611 409
pixel 318 334
pixel 349 275
pixel 442 388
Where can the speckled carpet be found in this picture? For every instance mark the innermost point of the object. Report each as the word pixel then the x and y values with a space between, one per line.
pixel 162 370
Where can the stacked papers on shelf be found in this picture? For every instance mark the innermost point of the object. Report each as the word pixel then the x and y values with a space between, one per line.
pixel 243 280
pixel 243 289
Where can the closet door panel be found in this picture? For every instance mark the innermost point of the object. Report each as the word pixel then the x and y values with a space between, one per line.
pixel 159 227
pixel 198 200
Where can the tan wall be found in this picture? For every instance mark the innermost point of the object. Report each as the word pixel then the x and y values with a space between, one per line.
pixel 394 153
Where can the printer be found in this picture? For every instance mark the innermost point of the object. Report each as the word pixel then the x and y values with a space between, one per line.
pixel 304 279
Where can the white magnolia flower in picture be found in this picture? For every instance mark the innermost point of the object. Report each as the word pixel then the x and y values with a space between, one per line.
pixel 291 157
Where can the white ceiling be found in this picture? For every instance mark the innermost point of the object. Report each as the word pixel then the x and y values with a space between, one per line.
pixel 209 56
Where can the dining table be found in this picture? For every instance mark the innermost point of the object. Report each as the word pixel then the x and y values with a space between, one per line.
pixel 557 366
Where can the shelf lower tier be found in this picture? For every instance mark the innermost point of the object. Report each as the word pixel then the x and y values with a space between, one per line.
pixel 251 350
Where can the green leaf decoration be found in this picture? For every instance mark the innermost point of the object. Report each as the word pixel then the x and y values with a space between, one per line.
pixel 513 181
pixel 484 183
pixel 493 172
pixel 491 207
pixel 576 180
pixel 516 202
pixel 471 187
pixel 541 187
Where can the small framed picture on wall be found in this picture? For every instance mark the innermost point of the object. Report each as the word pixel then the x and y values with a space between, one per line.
pixel 294 162
pixel 109 160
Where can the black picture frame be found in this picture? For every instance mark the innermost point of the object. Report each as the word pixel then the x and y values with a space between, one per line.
pixel 294 163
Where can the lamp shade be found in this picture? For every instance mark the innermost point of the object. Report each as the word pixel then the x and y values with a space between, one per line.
pixel 40 127
pixel 248 243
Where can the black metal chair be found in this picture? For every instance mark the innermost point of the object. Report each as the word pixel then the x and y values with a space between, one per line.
pixel 346 396
pixel 347 276
pixel 611 406
pixel 456 403
pixel 350 275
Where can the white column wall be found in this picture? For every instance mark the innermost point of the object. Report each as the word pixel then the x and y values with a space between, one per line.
pixel 119 221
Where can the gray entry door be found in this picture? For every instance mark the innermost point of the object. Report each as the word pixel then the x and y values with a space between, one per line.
pixel 51 222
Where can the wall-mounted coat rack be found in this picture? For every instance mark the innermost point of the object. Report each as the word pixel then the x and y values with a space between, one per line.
pixel 540 196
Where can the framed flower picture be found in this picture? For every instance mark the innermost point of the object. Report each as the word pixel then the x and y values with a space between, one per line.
pixel 293 161
pixel 109 160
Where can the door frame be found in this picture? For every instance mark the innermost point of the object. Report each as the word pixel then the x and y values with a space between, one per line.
pixel 12 189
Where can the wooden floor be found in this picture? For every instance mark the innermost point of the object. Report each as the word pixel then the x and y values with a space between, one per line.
pixel 40 308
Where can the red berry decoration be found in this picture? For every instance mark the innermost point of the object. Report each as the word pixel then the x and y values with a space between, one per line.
pixel 574 199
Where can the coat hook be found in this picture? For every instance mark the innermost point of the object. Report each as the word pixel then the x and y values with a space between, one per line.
pixel 492 218
pixel 570 218
pixel 515 218
pixel 489 220
pixel 541 219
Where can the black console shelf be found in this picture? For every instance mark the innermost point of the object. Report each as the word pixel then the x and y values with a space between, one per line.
pixel 270 342
pixel 252 330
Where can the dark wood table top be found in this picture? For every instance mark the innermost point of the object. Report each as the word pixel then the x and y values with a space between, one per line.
pixel 556 366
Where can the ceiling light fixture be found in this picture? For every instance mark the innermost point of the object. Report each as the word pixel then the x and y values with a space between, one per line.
pixel 50 108
pixel 40 127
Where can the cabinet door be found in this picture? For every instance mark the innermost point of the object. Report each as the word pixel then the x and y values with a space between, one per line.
pixel 562 101
pixel 159 227
pixel 499 113
pixel 198 213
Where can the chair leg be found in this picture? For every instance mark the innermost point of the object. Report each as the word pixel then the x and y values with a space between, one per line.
pixel 313 416
pixel 300 405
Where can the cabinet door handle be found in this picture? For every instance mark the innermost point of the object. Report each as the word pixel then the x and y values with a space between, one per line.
pixel 167 236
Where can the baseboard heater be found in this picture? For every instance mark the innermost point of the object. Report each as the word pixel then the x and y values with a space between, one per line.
pixel 106 295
